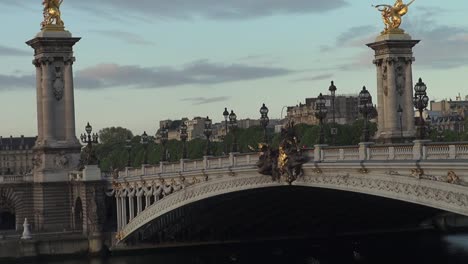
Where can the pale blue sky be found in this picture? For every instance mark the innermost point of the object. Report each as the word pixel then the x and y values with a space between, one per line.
pixel 142 61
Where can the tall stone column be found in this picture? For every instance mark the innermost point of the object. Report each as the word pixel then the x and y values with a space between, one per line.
pixel 57 150
pixel 393 51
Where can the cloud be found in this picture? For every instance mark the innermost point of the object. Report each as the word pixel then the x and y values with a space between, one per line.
pixel 198 72
pixel 13 82
pixel 320 77
pixel 206 100
pixel 128 37
pixel 213 9
pixel 7 51
pixel 441 46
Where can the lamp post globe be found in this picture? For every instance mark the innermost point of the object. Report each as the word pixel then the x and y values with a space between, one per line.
pixel 144 142
pixel 365 108
pixel 320 113
pixel 226 117
pixel 183 138
pixel 334 131
pixel 420 101
pixel 233 126
pixel 208 132
pixel 264 120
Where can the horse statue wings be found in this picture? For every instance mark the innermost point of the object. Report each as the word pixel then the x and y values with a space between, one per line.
pixel 391 15
pixel 52 15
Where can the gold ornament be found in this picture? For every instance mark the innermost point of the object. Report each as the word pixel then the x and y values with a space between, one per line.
pixel 391 16
pixel 52 16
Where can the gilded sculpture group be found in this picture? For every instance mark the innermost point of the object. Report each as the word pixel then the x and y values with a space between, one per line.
pixel 391 15
pixel 52 16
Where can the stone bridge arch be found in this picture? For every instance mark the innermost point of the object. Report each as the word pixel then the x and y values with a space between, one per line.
pixel 11 206
pixel 410 188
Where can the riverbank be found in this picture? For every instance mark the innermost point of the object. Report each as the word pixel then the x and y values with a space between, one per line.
pixel 12 247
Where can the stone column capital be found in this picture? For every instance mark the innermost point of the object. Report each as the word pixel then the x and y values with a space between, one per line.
pixel 69 60
pixel 378 62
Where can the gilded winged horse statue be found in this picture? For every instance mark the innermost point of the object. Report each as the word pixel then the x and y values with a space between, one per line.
pixel 391 15
pixel 52 15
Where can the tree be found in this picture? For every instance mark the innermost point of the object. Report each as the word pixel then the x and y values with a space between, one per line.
pixel 114 135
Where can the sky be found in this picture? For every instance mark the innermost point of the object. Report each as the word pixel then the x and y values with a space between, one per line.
pixel 139 62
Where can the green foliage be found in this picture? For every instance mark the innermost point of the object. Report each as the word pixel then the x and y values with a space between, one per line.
pixel 113 154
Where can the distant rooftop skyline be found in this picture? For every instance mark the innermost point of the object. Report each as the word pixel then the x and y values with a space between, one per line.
pixel 140 62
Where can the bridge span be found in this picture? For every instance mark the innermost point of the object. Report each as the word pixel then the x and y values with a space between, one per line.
pixel 434 175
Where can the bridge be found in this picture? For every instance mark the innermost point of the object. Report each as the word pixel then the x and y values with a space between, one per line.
pixel 434 175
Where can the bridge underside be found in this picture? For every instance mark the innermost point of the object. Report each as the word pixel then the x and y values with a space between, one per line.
pixel 282 212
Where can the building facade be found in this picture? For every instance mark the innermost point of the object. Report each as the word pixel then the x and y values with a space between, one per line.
pixel 16 155
pixel 346 110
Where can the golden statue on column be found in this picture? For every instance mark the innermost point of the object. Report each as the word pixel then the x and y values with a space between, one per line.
pixel 52 15
pixel 391 16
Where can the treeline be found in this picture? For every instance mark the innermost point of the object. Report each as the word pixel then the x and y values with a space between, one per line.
pixel 113 154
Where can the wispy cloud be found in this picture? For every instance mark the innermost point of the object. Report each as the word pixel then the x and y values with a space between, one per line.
pixel 128 37
pixel 206 100
pixel 214 9
pixel 198 72
pixel 7 51
pixel 15 82
pixel 326 76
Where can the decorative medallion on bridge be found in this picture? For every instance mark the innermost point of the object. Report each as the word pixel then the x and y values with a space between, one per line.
pixel 284 162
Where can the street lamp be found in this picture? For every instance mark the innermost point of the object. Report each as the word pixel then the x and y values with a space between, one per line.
pixel 334 130
pixel 365 107
pixel 144 142
pixel 264 120
pixel 128 146
pixel 163 138
pixel 208 131
pixel 89 139
pixel 320 113
pixel 226 116
pixel 420 102
pixel 233 126
pixel 183 138
pixel 400 115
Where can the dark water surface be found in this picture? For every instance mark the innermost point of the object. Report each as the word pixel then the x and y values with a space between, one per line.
pixel 409 248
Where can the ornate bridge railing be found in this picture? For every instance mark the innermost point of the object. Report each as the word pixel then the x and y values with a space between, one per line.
pixel 137 189
pixel 11 179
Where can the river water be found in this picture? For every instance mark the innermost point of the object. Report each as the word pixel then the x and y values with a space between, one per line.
pixel 421 248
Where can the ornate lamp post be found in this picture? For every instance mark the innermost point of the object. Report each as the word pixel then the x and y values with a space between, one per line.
pixel 89 139
pixel 233 126
pixel 208 131
pixel 365 108
pixel 128 146
pixel 183 138
pixel 320 113
pixel 144 142
pixel 334 130
pixel 400 115
pixel 163 138
pixel 420 102
pixel 226 116
pixel 264 120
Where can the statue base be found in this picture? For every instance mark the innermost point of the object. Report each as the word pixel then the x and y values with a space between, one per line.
pixel 393 31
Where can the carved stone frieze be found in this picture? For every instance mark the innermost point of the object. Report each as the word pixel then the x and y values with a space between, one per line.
pixel 58 85
pixel 62 160
pixel 400 78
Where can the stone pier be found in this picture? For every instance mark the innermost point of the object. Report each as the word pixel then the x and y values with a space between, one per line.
pixel 393 60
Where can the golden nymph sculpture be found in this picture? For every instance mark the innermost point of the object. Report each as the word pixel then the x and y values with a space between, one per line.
pixel 52 19
pixel 391 15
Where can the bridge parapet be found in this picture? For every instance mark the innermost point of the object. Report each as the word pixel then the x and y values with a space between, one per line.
pixel 417 151
pixel 10 179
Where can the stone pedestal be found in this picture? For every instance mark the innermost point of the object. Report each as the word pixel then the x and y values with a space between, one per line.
pixel 393 59
pixel 57 150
